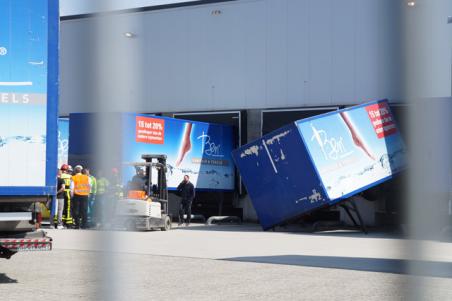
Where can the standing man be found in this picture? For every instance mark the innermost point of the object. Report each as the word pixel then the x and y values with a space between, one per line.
pixel 59 206
pixel 66 175
pixel 101 198
pixel 187 192
pixel 80 189
pixel 115 193
pixel 92 198
pixel 139 180
pixel 116 186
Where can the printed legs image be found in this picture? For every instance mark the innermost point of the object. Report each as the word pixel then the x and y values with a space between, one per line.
pixel 356 137
pixel 185 145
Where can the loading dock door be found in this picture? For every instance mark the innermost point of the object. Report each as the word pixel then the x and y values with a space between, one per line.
pixel 208 203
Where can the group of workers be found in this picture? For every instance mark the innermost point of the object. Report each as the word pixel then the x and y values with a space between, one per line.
pixel 80 199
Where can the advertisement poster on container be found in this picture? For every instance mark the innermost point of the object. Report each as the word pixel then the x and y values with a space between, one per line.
pixel 63 141
pixel 352 149
pixel 200 150
pixel 23 92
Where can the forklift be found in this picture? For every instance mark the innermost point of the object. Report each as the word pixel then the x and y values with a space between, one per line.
pixel 146 208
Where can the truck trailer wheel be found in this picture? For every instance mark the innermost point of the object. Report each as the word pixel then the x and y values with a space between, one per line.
pixel 167 224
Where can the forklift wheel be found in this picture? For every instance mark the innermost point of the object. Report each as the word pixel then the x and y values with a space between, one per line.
pixel 167 224
pixel 130 225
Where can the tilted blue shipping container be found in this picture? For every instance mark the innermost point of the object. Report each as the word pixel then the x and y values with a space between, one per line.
pixel 28 97
pixel 320 161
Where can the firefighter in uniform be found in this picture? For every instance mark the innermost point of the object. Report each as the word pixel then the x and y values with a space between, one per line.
pixel 67 211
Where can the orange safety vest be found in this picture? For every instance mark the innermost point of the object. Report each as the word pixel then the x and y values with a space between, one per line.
pixel 81 184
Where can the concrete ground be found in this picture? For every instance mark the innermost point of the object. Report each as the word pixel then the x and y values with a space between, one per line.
pixel 228 263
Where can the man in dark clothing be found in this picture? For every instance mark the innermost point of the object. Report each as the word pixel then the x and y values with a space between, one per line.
pixel 58 209
pixel 186 191
pixel 57 203
pixel 139 181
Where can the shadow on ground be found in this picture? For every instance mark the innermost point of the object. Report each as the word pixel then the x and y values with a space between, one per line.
pixel 395 266
pixel 5 279
pixel 296 230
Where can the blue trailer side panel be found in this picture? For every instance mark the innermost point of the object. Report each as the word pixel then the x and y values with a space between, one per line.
pixel 279 176
pixel 53 68
pixel 84 132
pixel 63 141
pixel 207 160
pixel 29 96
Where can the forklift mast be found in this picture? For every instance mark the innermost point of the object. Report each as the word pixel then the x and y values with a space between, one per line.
pixel 162 188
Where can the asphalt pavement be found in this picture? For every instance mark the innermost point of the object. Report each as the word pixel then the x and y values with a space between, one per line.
pixel 229 263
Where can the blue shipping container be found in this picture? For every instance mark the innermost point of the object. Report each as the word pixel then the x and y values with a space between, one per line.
pixel 319 161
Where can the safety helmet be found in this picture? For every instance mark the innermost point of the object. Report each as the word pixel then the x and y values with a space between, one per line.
pixel 64 167
pixel 79 167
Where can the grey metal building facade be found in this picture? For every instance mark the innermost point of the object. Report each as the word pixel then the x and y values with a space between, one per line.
pixel 245 62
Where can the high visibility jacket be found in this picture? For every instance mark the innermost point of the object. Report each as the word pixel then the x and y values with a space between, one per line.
pixel 81 184
pixel 93 183
pixel 67 178
pixel 102 185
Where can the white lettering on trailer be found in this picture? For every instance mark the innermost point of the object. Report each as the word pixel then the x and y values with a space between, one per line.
pixel 332 148
pixel 15 98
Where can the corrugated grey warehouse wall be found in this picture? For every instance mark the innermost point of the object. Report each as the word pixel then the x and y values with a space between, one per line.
pixel 253 54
